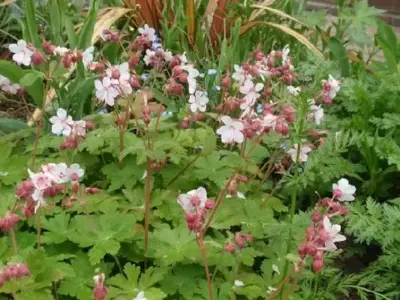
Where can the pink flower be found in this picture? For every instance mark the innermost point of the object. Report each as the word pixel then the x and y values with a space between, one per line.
pixel 56 172
pixel 251 93
pixel 105 91
pixel 79 128
pixel 147 31
pixel 193 199
pixel 231 131
pixel 331 87
pixel 302 155
pixel 41 180
pixel 198 101
pixel 22 54
pixel 61 123
pixel 240 75
pixel 333 235
pixel 343 190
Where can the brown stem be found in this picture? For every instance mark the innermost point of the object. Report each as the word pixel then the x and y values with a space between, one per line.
pixel 218 201
pixel 294 283
pixel 13 241
pixel 38 228
pixel 40 123
pixel 207 271
pixel 147 205
pixel 184 169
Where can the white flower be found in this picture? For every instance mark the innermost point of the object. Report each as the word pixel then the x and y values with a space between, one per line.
pixel 295 91
pixel 79 128
pixel 317 112
pixel 251 93
pixel 60 50
pixel 75 170
pixel 191 79
pixel 87 56
pixel 240 75
pixel 56 172
pixel 4 81
pixel 121 84
pixel 61 123
pixel 140 296
pixel 271 290
pixel 198 101
pixel 22 55
pixel 344 190
pixel 302 155
pixel 37 196
pixel 212 72
pixel 167 55
pixel 334 236
pixel 148 57
pixel 41 180
pixel 186 200
pixel 183 58
pixel 333 86
pixel 238 283
pixel 231 132
pixel 269 121
pixel 105 91
pixel 11 88
pixel 147 31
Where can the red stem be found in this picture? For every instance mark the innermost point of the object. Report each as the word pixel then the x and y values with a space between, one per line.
pixel 147 205
pixel 207 271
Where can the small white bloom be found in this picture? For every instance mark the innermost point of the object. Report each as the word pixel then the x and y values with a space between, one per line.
pixel 140 296
pixel 231 131
pixel 240 75
pixel 121 84
pixel 212 72
pixel 87 56
pixel 75 170
pixel 62 123
pixel 3 174
pixel 167 55
pixel 285 55
pixel 11 88
pixel 183 58
pixel 148 57
pixel 56 172
pixel 198 101
pixel 41 181
pixel 185 200
pixel 344 189
pixel 147 31
pixel 251 93
pixel 271 290
pixel 333 86
pixel 238 283
pixel 269 121
pixel 79 128
pixel 60 50
pixel 37 196
pixel 22 55
pixel 295 91
pixel 334 236
pixel 105 91
pixel 317 112
pixel 4 81
pixel 191 79
pixel 302 155
pixel 240 195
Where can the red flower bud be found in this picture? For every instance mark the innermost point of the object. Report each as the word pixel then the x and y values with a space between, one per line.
pixel 229 247
pixel 133 61
pixel 226 82
pixel 240 242
pixel 318 265
pixel 316 217
pixel 183 77
pixel 115 73
pixel 37 58
pixel 311 248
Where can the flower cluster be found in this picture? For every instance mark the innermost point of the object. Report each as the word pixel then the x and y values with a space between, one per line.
pixel 62 124
pixel 330 88
pixel 47 183
pixel 196 205
pixel 14 271
pixel 99 290
pixel 239 242
pixel 322 236
pixel 9 221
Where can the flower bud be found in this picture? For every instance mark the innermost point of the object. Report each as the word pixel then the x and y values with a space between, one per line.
pixel 323 236
pixel 191 217
pixel 198 116
pixel 316 217
pixel 177 70
pixel 37 58
pixel 133 61
pixel 240 242
pixel 146 119
pixel 219 108
pixel 226 82
pixel 311 249
pixel 301 249
pixel 326 99
pixel 318 265
pixel 229 247
pixel 209 204
pixel 115 73
pixel 248 238
pixel 183 77
pixel 337 193
pixel 326 202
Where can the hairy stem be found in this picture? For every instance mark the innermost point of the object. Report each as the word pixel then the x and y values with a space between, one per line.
pixel 184 169
pixel 207 271
pixel 147 205
pixel 13 241
pixel 38 227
